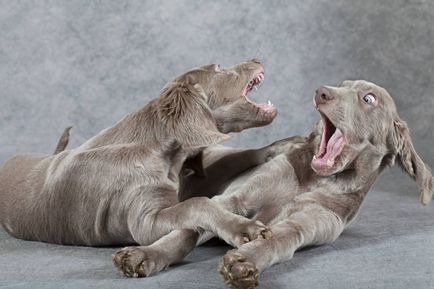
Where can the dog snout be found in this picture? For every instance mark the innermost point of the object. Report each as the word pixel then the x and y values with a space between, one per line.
pixel 323 95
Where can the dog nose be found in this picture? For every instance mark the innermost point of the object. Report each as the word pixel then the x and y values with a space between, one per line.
pixel 322 95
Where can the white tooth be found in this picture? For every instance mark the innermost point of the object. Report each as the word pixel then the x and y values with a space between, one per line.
pixel 314 157
pixel 269 102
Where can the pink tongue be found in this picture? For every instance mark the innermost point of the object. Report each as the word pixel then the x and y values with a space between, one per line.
pixel 334 145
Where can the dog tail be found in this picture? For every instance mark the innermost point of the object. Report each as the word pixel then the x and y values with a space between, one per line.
pixel 63 141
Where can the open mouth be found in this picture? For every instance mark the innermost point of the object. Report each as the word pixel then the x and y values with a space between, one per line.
pixel 254 85
pixel 332 144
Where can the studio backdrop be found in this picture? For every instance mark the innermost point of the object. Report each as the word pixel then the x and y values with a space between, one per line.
pixel 88 63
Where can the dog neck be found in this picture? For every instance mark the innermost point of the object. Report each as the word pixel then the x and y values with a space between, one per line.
pixel 366 165
pixel 362 173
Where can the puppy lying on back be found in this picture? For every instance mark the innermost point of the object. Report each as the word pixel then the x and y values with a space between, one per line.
pixel 120 187
pixel 314 186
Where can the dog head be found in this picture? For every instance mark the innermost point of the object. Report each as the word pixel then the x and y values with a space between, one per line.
pixel 360 118
pixel 207 102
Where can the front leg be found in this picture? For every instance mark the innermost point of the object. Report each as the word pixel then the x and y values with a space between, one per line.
pixel 211 180
pixel 143 261
pixel 203 213
pixel 311 225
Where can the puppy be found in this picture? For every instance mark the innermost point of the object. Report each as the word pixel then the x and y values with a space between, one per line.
pixel 120 187
pixel 313 187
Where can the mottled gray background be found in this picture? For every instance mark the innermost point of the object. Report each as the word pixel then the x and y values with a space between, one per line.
pixel 87 63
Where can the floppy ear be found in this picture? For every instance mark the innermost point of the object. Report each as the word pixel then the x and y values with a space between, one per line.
pixel 347 82
pixel 194 164
pixel 183 110
pixel 411 162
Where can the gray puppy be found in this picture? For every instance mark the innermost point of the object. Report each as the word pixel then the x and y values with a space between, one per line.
pixel 313 186
pixel 120 187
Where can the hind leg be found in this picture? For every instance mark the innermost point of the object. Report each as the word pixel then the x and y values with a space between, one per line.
pixel 143 261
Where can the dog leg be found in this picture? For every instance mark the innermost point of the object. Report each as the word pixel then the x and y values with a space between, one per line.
pixel 206 214
pixel 312 225
pixel 143 261
pixel 210 181
pixel 168 250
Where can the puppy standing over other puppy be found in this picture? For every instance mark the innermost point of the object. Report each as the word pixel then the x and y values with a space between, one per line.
pixel 120 187
pixel 314 186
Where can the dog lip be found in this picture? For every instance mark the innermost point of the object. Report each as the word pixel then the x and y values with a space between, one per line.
pixel 266 109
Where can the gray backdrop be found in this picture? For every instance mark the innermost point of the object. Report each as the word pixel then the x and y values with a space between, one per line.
pixel 87 63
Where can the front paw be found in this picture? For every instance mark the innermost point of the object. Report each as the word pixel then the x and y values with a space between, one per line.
pixel 237 272
pixel 257 230
pixel 243 232
pixel 139 261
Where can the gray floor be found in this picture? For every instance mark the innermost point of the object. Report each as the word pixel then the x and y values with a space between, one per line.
pixel 390 245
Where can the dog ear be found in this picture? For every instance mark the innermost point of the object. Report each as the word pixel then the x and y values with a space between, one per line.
pixel 184 111
pixel 347 82
pixel 194 164
pixel 410 161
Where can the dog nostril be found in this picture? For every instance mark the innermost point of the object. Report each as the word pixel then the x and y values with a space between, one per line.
pixel 322 95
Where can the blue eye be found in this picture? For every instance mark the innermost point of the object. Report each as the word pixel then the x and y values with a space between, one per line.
pixel 369 98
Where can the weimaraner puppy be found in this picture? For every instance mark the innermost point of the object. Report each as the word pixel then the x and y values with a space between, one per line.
pixel 311 188
pixel 120 187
